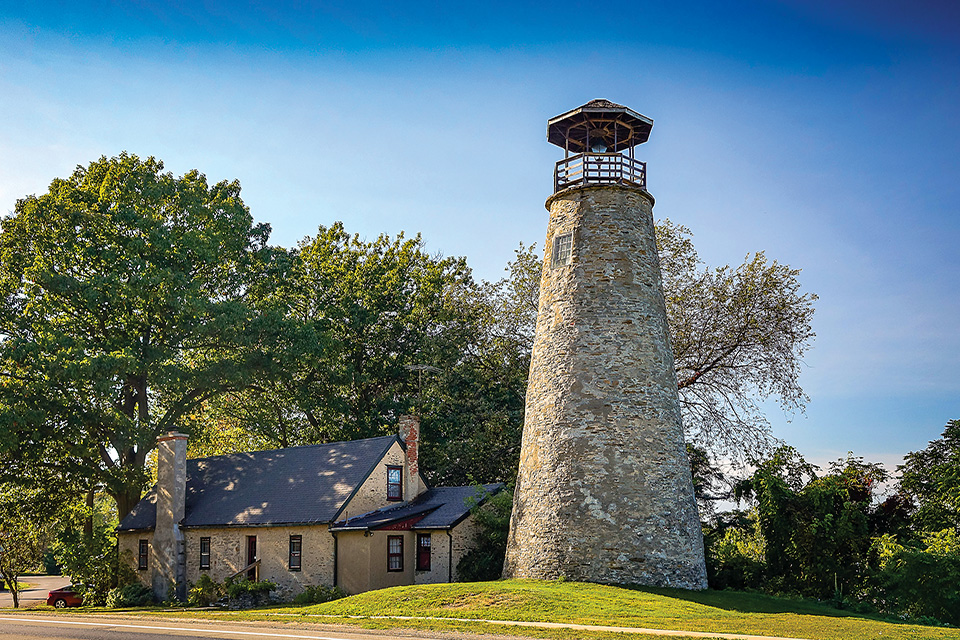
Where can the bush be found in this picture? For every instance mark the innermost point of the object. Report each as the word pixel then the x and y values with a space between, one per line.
pixel 484 561
pixel 319 594
pixel 735 560
pixel 244 593
pixel 922 584
pixel 131 595
pixel 205 592
pixel 237 588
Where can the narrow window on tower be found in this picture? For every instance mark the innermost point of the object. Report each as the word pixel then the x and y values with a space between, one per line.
pixel 562 250
pixel 394 483
pixel 204 553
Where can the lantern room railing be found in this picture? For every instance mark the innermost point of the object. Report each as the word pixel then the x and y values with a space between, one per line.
pixel 599 168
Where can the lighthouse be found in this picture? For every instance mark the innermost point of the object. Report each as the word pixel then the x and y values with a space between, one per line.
pixel 604 491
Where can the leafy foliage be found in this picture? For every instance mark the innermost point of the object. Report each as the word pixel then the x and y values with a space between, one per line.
pixel 484 561
pixel 738 336
pixel 131 595
pixel 205 592
pixel 86 549
pixel 27 519
pixel 920 582
pixel 364 313
pixel 931 479
pixel 710 483
pixel 475 403
pixel 736 553
pixel 318 594
pixel 816 529
pixel 123 309
pixel 244 593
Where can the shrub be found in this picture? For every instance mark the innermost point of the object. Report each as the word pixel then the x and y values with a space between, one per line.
pixel 131 595
pixel 244 593
pixel 735 560
pixel 204 592
pixel 923 584
pixel 319 594
pixel 237 588
pixel 485 560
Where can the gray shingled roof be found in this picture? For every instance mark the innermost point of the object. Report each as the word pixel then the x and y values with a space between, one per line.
pixel 298 485
pixel 440 508
pixel 600 103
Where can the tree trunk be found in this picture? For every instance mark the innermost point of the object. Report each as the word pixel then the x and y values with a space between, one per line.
pixel 12 586
pixel 126 501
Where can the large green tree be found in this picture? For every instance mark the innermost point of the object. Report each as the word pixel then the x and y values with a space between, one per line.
pixel 474 408
pixel 367 318
pixel 124 306
pixel 738 337
pixel 930 478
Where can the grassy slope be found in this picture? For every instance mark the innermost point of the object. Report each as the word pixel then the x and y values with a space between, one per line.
pixel 711 611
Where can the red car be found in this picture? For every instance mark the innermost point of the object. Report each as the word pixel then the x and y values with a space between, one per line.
pixel 64 597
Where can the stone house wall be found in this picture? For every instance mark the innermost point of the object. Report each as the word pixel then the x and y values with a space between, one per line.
pixel 463 536
pixel 128 544
pixel 372 494
pixel 228 554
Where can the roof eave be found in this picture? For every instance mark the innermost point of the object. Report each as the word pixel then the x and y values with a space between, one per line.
pixel 624 110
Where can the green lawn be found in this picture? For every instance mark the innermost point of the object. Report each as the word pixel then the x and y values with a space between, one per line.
pixel 710 611
pixel 579 603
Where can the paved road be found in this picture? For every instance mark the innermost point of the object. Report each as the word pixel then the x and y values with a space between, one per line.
pixel 14 627
pixel 36 595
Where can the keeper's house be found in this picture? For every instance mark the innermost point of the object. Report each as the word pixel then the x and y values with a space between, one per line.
pixel 352 514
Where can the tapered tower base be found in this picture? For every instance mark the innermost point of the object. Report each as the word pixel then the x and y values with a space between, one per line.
pixel 604 492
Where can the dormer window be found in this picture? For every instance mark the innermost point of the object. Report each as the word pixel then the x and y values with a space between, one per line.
pixel 394 483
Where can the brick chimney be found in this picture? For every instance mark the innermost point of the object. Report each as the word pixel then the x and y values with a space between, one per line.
pixel 169 559
pixel 410 436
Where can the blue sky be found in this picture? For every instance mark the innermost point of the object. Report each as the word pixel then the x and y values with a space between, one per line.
pixel 824 133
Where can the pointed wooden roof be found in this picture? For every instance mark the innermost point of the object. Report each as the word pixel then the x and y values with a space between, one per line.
pixel 620 127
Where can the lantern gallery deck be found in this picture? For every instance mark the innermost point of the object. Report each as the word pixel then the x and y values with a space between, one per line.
pixel 597 133
pixel 599 168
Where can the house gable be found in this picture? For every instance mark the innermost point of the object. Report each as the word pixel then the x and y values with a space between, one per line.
pixel 371 495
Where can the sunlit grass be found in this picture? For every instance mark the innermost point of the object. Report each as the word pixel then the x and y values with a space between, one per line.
pixel 580 603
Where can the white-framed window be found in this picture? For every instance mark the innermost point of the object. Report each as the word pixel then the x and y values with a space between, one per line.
pixel 562 250
pixel 394 553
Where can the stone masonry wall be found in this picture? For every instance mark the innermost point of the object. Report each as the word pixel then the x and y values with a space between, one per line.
pixel 604 492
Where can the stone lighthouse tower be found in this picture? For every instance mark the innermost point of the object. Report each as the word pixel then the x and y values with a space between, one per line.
pixel 604 492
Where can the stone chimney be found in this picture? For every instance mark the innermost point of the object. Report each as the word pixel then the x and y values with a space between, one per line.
pixel 169 559
pixel 410 436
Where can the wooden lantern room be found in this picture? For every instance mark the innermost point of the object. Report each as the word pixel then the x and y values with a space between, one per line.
pixel 593 137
